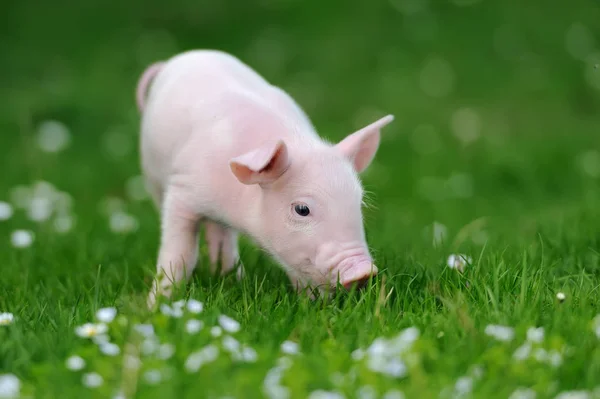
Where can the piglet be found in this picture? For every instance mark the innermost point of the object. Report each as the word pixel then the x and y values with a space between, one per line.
pixel 222 147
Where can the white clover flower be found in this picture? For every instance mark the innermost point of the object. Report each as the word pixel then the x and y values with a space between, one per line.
pixel 561 296
pixel 194 306
pixel 10 386
pixel 106 315
pixel 501 333
pixel 109 349
pixel 216 331
pixel 290 347
pixel 535 334
pixel 21 238
pixel 166 351
pixel 523 393
pixel 147 330
pixel 192 326
pixel 6 318
pixel 459 261
pixel 6 210
pixel 75 363
pixel 152 377
pixel 92 380
pixel 89 330
pixel 228 324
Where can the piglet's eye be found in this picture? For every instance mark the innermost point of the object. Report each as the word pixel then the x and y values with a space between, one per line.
pixel 302 210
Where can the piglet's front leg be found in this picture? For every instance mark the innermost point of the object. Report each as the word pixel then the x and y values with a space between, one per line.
pixel 178 252
pixel 223 245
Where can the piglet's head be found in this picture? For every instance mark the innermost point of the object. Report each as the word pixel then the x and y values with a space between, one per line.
pixel 307 205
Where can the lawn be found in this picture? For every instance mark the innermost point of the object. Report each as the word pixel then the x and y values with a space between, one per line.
pixel 494 154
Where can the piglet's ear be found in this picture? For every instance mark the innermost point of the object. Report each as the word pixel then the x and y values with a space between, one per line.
pixel 263 165
pixel 361 146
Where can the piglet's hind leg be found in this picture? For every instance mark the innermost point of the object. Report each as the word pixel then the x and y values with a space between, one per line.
pixel 178 252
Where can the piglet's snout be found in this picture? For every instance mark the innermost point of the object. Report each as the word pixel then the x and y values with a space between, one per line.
pixel 357 271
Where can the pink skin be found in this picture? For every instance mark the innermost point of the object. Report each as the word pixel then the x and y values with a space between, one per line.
pixel 223 147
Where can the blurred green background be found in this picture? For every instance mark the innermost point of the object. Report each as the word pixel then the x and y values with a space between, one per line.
pixel 496 143
pixel 497 103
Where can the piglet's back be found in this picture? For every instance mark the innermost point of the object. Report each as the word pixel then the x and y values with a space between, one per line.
pixel 207 102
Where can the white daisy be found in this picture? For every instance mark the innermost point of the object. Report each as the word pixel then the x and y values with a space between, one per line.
pixel 6 319
pixel 192 326
pixel 197 359
pixel 21 238
pixel 149 346
pixel 501 333
pixel 92 380
pixel 523 351
pixel 230 325
pixel 147 330
pixel 573 395
pixel 106 315
pixel 10 386
pixel 75 363
pixel 230 344
pixel 595 325
pixel 195 306
pixel 131 362
pixel 459 261
pixel 249 355
pixel 179 304
pixel 6 210
pixel 561 296
pixel 290 347
pixel 216 331
pixel 89 330
pixel 394 394
pixel 152 377
pixel 523 393
pixel 174 311
pixel 463 386
pixel 323 394
pixel 110 349
pixel 535 334
pixel 165 351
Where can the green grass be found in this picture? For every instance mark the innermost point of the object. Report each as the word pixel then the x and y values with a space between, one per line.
pixel 519 199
